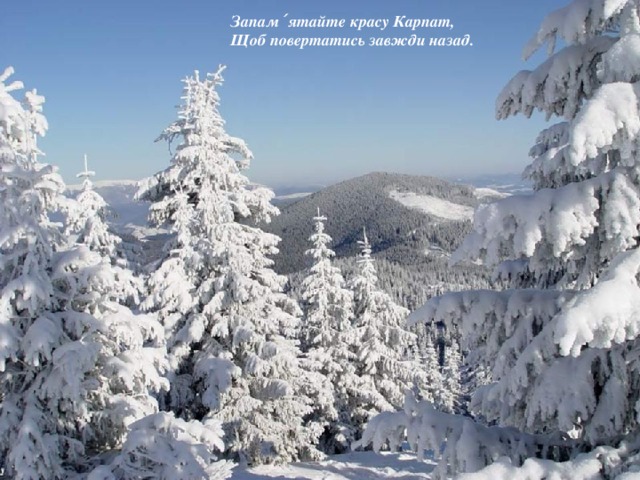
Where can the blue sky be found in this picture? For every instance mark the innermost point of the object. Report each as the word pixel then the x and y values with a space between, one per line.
pixel 111 74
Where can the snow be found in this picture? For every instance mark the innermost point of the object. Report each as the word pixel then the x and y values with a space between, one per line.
pixel 533 468
pixel 558 86
pixel 216 294
pixel 488 193
pixel 610 120
pixel 436 251
pixel 350 466
pixel 621 62
pixel 171 448
pixel 574 24
pixel 433 205
pixel 605 315
pixel 292 196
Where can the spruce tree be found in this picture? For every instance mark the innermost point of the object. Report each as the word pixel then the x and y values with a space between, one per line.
pixel 385 363
pixel 325 334
pixel 231 331
pixel 563 341
pixel 452 399
pixel 86 222
pixel 76 366
pixel 328 304
pixel 563 352
pixel 432 388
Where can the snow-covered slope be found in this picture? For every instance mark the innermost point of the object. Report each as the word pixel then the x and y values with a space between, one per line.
pixel 444 209
pixel 287 199
pixel 351 466
pixel 433 205
pixel 293 196
pixel 485 193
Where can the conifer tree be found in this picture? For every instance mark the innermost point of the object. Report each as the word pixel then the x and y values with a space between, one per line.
pixel 231 331
pixel 326 332
pixel 86 222
pixel 563 341
pixel 452 399
pixel 383 348
pixel 76 367
pixel 432 388
pixel 328 304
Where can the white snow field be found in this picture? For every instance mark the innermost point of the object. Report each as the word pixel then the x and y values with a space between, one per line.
pixel 433 205
pixel 489 193
pixel 292 196
pixel 349 466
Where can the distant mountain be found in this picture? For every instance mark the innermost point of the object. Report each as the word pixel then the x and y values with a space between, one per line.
pixel 406 217
pixel 130 214
pixel 507 183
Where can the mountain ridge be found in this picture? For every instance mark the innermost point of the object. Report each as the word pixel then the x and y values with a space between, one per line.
pixel 397 232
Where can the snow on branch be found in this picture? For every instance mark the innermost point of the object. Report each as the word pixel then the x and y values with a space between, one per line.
pixel 559 85
pixel 472 451
pixel 161 446
pixel 552 165
pixel 603 462
pixel 608 313
pixel 552 351
pixel 562 218
pixel 488 317
pixel 609 121
pixel 497 328
pixel 557 225
pixel 458 443
pixel 575 23
pixel 622 62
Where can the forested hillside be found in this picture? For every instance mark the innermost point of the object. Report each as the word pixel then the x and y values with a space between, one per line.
pixel 397 233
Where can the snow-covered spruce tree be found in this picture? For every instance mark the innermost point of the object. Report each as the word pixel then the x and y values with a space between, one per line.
pixel 326 334
pixel 564 343
pixel 86 223
pixel 451 400
pixel 385 363
pixel 328 304
pixel 432 389
pixel 232 333
pixel 76 367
